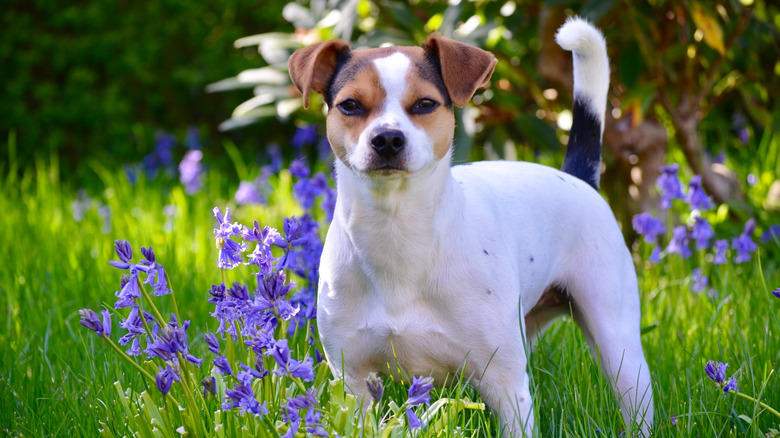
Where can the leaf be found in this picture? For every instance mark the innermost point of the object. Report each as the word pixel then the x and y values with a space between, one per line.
pixel 538 132
pixel 713 34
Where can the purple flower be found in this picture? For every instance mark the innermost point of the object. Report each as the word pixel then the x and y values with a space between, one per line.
pixel 209 384
pixel 669 185
pixel 191 171
pixel 266 239
pixel 124 251
pixel 648 226
pixel 192 139
pixel 304 135
pixel 414 422
pixel 299 169
pixel 716 371
pixel 697 198
pixel 721 246
pixel 702 233
pixel 744 244
pixel 155 273
pixel 731 385
pixel 90 320
pixel 776 292
pixel 223 366
pixel 134 326
pixel 229 250
pixel 165 379
pixel 313 426
pixel 248 374
pixel 212 341
pixel 679 242
pixel 699 281
pixel 771 233
pixel 248 193
pixel 275 155
pixel 217 293
pixel 242 396
pixel 655 256
pixel 673 419
pixel 419 391
pixel 375 387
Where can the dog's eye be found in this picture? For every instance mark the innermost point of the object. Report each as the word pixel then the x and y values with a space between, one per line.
pixel 350 107
pixel 424 106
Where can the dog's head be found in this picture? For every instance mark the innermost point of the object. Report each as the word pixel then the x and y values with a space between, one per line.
pixel 390 109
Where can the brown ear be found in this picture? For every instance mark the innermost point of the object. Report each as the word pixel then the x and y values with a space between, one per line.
pixel 464 68
pixel 312 67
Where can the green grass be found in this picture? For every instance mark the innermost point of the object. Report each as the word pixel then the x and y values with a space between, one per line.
pixel 58 379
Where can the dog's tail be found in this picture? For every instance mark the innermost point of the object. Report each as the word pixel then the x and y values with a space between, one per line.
pixel 591 81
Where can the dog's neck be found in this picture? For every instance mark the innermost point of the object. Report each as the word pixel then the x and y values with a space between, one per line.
pixel 396 224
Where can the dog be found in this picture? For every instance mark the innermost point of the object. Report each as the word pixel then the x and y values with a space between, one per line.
pixel 432 268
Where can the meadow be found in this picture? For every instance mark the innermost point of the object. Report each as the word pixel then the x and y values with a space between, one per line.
pixel 59 378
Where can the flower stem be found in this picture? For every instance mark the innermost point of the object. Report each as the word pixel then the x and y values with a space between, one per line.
pixel 149 301
pixel 128 358
pixel 173 298
pixel 762 404
pixel 189 395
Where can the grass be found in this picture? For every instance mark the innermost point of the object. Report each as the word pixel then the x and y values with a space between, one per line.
pixel 58 379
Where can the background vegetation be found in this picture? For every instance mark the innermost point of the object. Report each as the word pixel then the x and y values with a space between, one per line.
pixel 90 87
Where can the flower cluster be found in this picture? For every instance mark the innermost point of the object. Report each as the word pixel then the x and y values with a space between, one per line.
pixel 717 373
pixel 698 229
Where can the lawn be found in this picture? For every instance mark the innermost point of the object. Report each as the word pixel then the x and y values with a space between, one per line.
pixel 60 379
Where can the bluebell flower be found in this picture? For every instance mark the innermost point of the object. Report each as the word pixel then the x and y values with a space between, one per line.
pixel 716 371
pixel 776 292
pixel 304 135
pixel 275 156
pixel 135 348
pixel 212 342
pixel 313 425
pixel 702 233
pixel 242 396
pixel 328 203
pixel 209 384
pixel 192 139
pixel 172 340
pixel 90 320
pixel 248 193
pixel 125 253
pixel 299 169
pixel 165 378
pixel 771 234
pixel 744 244
pixel 375 386
pixel 133 324
pixel 697 198
pixel 155 273
pixel 721 246
pixel 161 158
pixel 191 171
pixel 414 422
pixel 669 185
pixel 223 366
pixel 419 391
pixel 648 226
pixel 673 419
pixel 699 281
pixel 238 291
pixel 229 250
pixel 731 385
pixel 655 256
pixel 679 242
pixel 249 374
pixel 262 256
pixel 217 293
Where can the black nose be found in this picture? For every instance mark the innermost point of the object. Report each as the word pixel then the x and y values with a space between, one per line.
pixel 388 142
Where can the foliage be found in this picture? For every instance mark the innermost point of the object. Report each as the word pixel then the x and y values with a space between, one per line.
pixel 97 79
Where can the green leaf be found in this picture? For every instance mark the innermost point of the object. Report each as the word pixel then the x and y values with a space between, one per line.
pixel 538 132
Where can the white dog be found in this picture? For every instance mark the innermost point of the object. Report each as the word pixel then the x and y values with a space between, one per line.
pixel 433 268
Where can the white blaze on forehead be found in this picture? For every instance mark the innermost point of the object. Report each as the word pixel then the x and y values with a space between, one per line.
pixel 392 72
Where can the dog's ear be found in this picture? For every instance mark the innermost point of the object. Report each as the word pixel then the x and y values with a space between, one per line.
pixel 312 67
pixel 464 68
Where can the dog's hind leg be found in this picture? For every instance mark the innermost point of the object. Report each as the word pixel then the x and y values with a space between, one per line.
pixel 606 307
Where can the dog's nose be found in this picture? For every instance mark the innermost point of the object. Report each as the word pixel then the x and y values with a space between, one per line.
pixel 388 142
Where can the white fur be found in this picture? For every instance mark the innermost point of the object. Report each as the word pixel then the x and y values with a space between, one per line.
pixel 591 64
pixel 437 269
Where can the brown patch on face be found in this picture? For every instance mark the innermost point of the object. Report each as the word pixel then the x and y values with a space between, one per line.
pixel 439 124
pixel 364 87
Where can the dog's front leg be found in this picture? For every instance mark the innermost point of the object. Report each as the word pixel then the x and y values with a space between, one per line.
pixel 506 391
